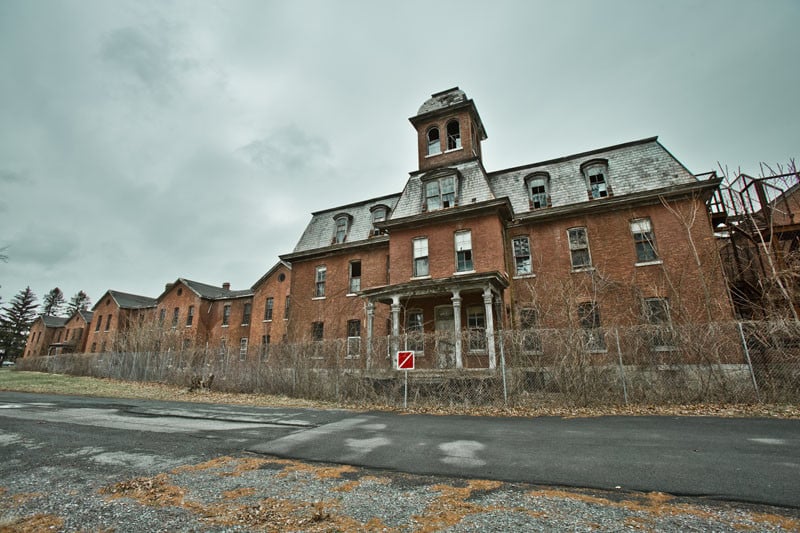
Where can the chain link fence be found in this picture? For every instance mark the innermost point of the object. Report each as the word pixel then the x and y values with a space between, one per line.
pixel 731 362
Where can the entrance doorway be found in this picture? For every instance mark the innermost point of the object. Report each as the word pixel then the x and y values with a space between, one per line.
pixel 445 341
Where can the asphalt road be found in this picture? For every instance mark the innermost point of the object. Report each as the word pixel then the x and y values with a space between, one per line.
pixel 748 460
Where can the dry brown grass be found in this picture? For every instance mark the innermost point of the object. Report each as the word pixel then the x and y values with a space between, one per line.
pixel 33 524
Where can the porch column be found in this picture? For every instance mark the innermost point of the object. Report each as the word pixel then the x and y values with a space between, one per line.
pixel 370 331
pixel 487 303
pixel 457 327
pixel 395 307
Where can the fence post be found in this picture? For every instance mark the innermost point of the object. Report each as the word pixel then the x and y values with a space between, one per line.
pixel 749 362
pixel 503 366
pixel 621 368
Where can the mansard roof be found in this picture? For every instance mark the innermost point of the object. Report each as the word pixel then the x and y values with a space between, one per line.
pixel 320 231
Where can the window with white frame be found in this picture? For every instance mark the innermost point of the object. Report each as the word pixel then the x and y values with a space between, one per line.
pixel 319 283
pixel 643 240
pixel 226 314
pixel 268 307
pixel 434 145
pixel 463 242
pixel 453 135
pixel 522 255
pixel 596 174
pixel 420 247
pixel 440 193
pixel 243 349
pixel 476 326
pixel 353 338
pixel 415 336
pixel 538 186
pixel 340 231
pixel 579 248
pixel 589 320
pixel 355 277
pixel 528 325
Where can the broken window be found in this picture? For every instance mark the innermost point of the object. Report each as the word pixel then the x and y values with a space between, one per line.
pixel 434 146
pixel 538 191
pixel 596 173
pixel 353 338
pixel 226 314
pixel 340 232
pixel 317 330
pixel 579 248
pixel 522 255
pixel 528 324
pixel 464 251
pixel 476 326
pixel 415 337
pixel 589 320
pixel 440 194
pixel 453 135
pixel 420 257
pixel 656 314
pixel 355 276
pixel 242 348
pixel 643 240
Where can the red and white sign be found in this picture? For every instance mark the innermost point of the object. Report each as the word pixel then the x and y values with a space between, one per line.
pixel 405 360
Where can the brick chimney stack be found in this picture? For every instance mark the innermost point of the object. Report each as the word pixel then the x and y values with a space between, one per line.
pixel 226 285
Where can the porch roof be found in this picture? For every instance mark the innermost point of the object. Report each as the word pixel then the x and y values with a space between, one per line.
pixel 430 287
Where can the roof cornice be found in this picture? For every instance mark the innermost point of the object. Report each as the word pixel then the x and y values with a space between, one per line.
pixel 335 249
pixel 502 205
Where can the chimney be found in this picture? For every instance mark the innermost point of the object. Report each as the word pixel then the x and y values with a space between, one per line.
pixel 226 285
pixel 167 286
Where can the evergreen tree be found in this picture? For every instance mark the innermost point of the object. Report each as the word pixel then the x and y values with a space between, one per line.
pixel 15 323
pixel 80 301
pixel 53 302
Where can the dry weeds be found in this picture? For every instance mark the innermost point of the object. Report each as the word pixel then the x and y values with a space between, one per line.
pixel 33 524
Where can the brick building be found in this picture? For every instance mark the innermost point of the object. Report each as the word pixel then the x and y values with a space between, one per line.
pixel 271 307
pixel 614 236
pixel 113 314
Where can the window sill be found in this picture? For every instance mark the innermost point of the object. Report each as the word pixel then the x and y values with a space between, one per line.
pixel 318 298
pixel 583 269
pixel 245 324
pixel 524 276
pixel 454 150
pixel 267 320
pixel 350 294
pixel 649 263
pixel 598 350
pixel 464 272
pixel 225 325
pixel 433 155
pixel 416 278
pixel 188 325
pixel 664 349
pixel 352 357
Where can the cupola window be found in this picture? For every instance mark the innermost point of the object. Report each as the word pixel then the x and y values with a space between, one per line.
pixel 453 135
pixel 434 145
pixel 441 193
pixel 341 228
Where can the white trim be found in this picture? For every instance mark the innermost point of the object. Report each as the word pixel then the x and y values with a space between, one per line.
pixel 584 269
pixel 524 276
pixel 649 263
pixel 318 298
pixel 420 277
pixel 464 272
pixel 453 150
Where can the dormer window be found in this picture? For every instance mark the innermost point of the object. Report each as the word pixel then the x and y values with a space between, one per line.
pixel 341 228
pixel 538 186
pixel 378 215
pixel 434 145
pixel 596 174
pixel 441 193
pixel 453 135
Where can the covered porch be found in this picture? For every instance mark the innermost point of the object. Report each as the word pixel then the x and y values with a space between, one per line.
pixel 448 323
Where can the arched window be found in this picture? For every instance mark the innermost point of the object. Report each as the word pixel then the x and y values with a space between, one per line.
pixel 596 174
pixel 434 146
pixel 453 135
pixel 342 225
pixel 538 186
pixel 378 215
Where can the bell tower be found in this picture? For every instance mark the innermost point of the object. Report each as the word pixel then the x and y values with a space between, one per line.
pixel 449 130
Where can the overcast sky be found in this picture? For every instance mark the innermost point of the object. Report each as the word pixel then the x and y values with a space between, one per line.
pixel 145 141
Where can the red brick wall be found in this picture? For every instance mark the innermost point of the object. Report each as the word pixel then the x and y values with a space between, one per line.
pixel 39 339
pixel 444 157
pixel 277 286
pixel 181 296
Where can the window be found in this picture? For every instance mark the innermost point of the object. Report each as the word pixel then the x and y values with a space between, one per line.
pixel 264 347
pixel 656 314
pixel 378 215
pixel 94 347
pixel 522 255
pixel 175 313
pixel 226 314
pixel 286 308
pixel 103 347
pixel 223 346
pixel 420 257
pixel 190 316
pixel 100 322
pixel 353 338
pixel 317 330
pixel 643 240
pixel 162 315
pixel 464 251
pixel 108 322
pixel 340 230
pixel 246 313
pixel 268 308
pixel 579 248
pixel 453 135
pixel 528 324
pixel 415 337
pixel 434 146
pixel 243 349
pixel 187 343
pixel 355 277
pixel 319 287
pixel 589 319
pixel 595 173
pixel 440 193
pixel 476 325
pixel 538 190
